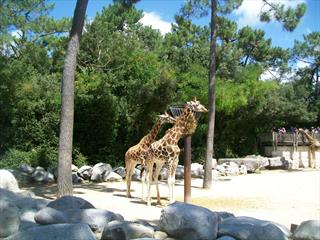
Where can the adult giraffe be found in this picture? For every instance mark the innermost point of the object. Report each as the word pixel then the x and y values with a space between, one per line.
pixel 166 150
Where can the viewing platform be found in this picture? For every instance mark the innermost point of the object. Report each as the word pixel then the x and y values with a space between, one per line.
pixel 291 146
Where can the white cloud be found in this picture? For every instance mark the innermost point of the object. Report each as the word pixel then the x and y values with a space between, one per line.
pixel 16 33
pixel 249 11
pixel 154 20
pixel 302 64
pixel 270 74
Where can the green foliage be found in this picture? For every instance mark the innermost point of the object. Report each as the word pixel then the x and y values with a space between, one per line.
pixel 14 158
pixel 289 16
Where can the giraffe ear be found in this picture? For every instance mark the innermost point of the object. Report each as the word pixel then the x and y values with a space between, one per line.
pixel 195 98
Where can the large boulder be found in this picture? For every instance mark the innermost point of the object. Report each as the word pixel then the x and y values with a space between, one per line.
pixel 8 181
pixel 308 230
pixel 55 231
pixel 164 174
pixel 112 177
pixel 26 168
pixel 70 202
pixel 39 174
pixel 76 178
pixel 27 218
pixel 50 215
pixel 278 162
pixel 197 170
pixel 189 222
pixel 9 219
pixel 126 230
pixel 95 218
pixel 99 170
pixel 252 162
pixel 121 171
pixel 85 172
pixel 247 228
pixel 180 172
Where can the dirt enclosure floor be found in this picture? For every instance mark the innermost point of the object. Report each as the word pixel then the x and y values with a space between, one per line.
pixel 286 197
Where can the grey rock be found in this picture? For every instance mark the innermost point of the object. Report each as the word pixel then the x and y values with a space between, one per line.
pixel 112 177
pixel 221 169
pixel 226 238
pixel 278 162
pixel 126 230
pixel 9 219
pixel 8 181
pixel 95 218
pixel 136 175
pixel 98 171
pixel 197 170
pixel 308 230
pixel 160 235
pixel 121 171
pixel 26 168
pixel 164 174
pixel 180 172
pixel 243 170
pixel 188 222
pixel 247 228
pixel 55 232
pixel 70 202
pixel 50 215
pixel 76 178
pixel 252 162
pixel 39 174
pixel 23 199
pixel 48 178
pixel 27 218
pixel 232 169
pixel 85 172
pixel 223 215
pixel 74 168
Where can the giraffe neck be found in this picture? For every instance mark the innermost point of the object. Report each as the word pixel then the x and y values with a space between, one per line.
pixel 179 129
pixel 151 136
pixel 308 136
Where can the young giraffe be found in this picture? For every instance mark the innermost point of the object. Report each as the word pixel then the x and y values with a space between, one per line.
pixel 166 150
pixel 314 146
pixel 137 154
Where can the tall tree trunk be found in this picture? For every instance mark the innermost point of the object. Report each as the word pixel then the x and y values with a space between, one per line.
pixel 207 182
pixel 67 107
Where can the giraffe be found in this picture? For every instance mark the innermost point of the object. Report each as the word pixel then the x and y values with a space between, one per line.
pixel 314 146
pixel 137 154
pixel 166 150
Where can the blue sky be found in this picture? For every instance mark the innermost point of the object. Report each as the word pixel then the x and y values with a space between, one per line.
pixel 160 14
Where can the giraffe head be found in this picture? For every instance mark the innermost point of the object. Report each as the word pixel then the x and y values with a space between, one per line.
pixel 191 122
pixel 196 106
pixel 166 118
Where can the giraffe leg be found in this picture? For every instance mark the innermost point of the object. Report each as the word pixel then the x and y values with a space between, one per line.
pixel 172 175
pixel 130 165
pixel 155 177
pixel 313 159
pixel 143 184
pixel 149 167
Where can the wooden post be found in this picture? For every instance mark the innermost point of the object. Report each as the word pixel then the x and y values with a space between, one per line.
pixel 187 169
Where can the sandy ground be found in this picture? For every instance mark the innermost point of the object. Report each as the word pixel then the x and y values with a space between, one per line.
pixel 286 197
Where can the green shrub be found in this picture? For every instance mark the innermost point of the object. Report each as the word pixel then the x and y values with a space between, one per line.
pixel 79 159
pixel 13 158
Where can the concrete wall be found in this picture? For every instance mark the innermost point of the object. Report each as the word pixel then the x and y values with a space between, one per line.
pixel 300 157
